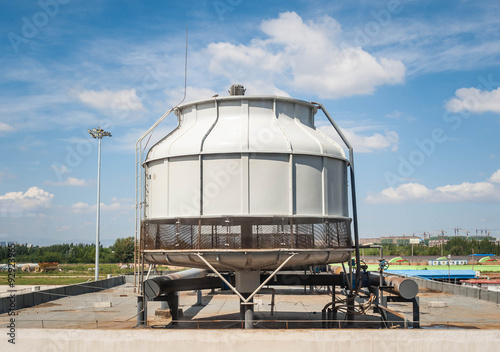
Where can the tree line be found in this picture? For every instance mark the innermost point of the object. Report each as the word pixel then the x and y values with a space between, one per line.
pixel 122 251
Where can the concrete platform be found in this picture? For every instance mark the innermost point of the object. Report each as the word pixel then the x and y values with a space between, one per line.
pixel 254 340
pixel 293 310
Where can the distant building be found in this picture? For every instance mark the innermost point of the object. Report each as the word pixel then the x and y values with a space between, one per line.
pixel 445 262
pixel 438 241
pixel 367 241
pixel 399 240
pixel 2 244
pixel 431 241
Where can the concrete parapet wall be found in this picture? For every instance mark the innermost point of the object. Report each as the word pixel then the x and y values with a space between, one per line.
pixel 253 340
pixel 31 299
pixel 478 293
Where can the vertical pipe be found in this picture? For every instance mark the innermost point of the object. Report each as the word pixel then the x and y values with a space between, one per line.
pixel 416 313
pixel 351 296
pixel 246 311
pixel 333 315
pixel 355 219
pixel 98 211
pixel 249 317
pixel 272 300
pixel 140 310
pixel 380 293
pixel 353 189
pixel 142 268
pixel 311 287
pixel 136 216
pixel 199 299
pixel 142 213
pixel 305 286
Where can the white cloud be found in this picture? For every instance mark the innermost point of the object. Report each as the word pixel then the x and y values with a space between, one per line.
pixel 405 192
pixel 116 206
pixel 34 199
pixel 81 207
pixel 464 192
pixel 261 87
pixel 363 143
pixel 122 200
pixel 125 99
pixel 175 95
pixel 308 56
pixel 5 127
pixel 70 181
pixel 43 112
pixel 436 43
pixel 253 87
pixel 495 178
pixel 475 100
pixel 375 142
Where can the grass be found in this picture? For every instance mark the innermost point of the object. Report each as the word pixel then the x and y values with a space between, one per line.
pixel 68 274
pixel 82 269
pixel 28 280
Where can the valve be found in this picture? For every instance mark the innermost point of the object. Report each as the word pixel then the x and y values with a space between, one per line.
pixel 384 265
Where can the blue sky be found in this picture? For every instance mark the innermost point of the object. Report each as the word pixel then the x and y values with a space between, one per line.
pixel 413 84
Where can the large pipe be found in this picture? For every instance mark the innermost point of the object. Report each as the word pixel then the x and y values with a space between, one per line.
pixel 158 285
pixel 403 287
pixel 299 279
pixel 186 274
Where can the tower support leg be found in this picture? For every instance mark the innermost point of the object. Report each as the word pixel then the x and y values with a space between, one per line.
pixel 173 302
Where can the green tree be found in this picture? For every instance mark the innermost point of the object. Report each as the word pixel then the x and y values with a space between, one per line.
pixel 106 255
pixel 124 249
pixel 485 246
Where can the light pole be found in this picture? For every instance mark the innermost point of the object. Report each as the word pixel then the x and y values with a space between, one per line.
pixel 98 133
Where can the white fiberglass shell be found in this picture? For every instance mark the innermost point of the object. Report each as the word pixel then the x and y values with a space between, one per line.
pixel 246 156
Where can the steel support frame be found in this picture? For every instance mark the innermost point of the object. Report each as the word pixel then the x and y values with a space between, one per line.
pixel 250 297
pixel 383 300
pixel 246 303
pixel 415 305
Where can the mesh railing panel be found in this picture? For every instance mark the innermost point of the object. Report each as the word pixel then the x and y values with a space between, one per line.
pixel 323 234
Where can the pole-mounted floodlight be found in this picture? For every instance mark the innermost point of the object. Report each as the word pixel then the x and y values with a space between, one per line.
pixel 98 133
